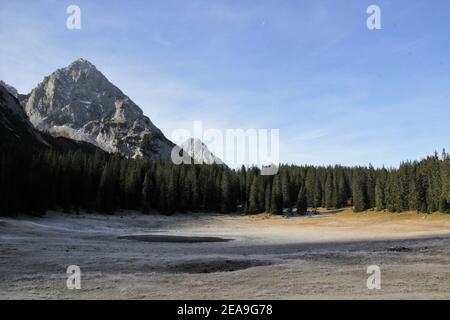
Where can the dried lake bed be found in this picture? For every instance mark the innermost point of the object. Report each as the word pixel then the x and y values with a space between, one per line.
pixel 212 256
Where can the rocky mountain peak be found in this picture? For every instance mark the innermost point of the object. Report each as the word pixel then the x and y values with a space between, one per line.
pixel 83 63
pixel 81 69
pixel 79 102
pixel 199 152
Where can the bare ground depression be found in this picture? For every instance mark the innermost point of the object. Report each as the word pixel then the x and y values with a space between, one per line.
pixel 210 256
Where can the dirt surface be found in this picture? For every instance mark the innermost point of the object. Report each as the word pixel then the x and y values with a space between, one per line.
pixel 317 257
pixel 164 238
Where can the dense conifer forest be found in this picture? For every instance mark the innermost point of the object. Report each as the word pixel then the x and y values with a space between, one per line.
pixel 33 182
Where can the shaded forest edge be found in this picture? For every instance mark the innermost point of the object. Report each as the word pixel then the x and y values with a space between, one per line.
pixel 33 181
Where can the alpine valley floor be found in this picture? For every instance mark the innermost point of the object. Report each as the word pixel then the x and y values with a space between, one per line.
pixel 211 256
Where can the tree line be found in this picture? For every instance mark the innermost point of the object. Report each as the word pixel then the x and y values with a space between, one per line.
pixel 33 182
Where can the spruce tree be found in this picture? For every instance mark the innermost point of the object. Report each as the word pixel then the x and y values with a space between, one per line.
pixel 358 191
pixel 267 198
pixel 253 202
pixel 328 192
pixel 146 193
pixel 225 200
pixel 276 202
pixel 302 203
pixel 380 185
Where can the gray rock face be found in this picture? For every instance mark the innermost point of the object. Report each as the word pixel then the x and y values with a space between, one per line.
pixel 80 103
pixel 9 88
pixel 10 101
pixel 199 152
pixel 23 98
pixel 15 128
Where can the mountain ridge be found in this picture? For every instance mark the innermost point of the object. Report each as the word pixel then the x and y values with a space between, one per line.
pixel 79 102
pixel 199 152
pixel 17 131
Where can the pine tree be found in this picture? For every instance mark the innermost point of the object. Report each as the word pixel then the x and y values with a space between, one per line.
pixel 253 202
pixel 380 185
pixel 286 189
pixel 341 189
pixel 146 193
pixel 225 193
pixel 329 191
pixel 317 192
pixel 358 190
pixel 444 205
pixel 267 197
pixel 105 198
pixel 393 192
pixel 171 193
pixel 276 202
pixel 132 187
pixel 370 187
pixel 310 186
pixel 302 203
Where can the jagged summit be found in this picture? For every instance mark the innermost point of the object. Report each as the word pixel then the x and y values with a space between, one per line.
pixel 79 102
pixel 82 61
pixel 199 152
pixel 82 64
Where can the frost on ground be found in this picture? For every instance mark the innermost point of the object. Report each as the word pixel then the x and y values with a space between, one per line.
pixel 135 256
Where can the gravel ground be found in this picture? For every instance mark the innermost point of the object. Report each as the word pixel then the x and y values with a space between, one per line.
pixel 211 256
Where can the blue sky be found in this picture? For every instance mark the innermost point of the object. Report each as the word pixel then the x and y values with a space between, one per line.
pixel 338 92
